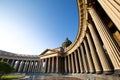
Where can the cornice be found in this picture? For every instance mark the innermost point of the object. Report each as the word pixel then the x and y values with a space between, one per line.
pixel 82 10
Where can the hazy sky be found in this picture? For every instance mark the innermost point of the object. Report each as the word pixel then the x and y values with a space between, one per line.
pixel 31 26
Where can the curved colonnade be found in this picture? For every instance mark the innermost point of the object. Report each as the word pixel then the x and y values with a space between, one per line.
pixel 96 48
pixel 21 63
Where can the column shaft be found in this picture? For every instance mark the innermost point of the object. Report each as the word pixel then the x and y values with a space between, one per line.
pixel 39 67
pixel 19 69
pixel 57 70
pixel 111 46
pixel 94 55
pixel 103 58
pixel 53 64
pixel 24 69
pixel 73 65
pixel 33 68
pixel 49 65
pixel 45 65
pixel 76 62
pixel 69 64
pixel 113 10
pixel 29 66
pixel 66 64
pixel 17 66
pixel 84 58
pixel 80 61
pixel 13 62
pixel 89 58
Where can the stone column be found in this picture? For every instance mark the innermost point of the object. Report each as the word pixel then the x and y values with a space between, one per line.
pixel 42 68
pixel 112 9
pixel 59 64
pixel 57 69
pixel 21 66
pixel 25 66
pixel 76 62
pixel 19 69
pixel 73 65
pixel 53 64
pixel 89 58
pixel 94 55
pixel 99 47
pixel 69 63
pixel 29 66
pixel 84 58
pixel 66 64
pixel 33 66
pixel 48 65
pixel 80 61
pixel 17 65
pixel 45 60
pixel 8 60
pixel 111 46
pixel 13 62
pixel 39 66
pixel 14 65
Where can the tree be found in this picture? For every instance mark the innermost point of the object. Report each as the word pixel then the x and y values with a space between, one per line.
pixel 5 68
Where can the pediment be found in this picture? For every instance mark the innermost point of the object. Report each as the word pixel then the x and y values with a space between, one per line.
pixel 48 51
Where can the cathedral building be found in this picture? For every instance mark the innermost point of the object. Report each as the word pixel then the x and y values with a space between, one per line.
pixel 95 53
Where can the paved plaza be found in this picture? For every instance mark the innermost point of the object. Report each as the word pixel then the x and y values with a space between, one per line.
pixel 38 77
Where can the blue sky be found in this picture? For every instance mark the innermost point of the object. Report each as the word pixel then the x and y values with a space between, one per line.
pixel 31 26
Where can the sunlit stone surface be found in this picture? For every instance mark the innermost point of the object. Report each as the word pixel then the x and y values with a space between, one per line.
pixel 94 55
pixel 33 77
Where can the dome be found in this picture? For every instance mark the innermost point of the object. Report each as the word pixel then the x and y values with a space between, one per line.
pixel 66 43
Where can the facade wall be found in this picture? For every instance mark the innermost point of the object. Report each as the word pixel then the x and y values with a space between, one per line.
pixel 96 49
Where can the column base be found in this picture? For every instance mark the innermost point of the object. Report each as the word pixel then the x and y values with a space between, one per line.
pixel 108 72
pixel 99 72
pixel 78 72
pixel 92 72
pixel 117 71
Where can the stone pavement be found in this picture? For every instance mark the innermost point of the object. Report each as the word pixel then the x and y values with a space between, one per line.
pixel 38 77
